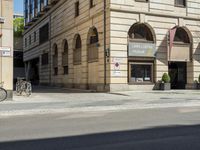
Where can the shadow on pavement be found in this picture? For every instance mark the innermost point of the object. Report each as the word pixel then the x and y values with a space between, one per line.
pixel 162 138
pixel 49 89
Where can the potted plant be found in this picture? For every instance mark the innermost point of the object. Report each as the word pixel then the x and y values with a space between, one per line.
pixel 198 83
pixel 165 84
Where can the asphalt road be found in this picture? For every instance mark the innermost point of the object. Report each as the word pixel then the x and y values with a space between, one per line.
pixel 149 129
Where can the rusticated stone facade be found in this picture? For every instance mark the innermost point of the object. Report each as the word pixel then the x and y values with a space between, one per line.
pixel 6 45
pixel 137 44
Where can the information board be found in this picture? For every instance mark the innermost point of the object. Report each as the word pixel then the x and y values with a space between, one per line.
pixel 5 51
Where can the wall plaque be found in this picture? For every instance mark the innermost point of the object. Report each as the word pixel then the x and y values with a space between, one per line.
pixel 2 20
pixel 5 51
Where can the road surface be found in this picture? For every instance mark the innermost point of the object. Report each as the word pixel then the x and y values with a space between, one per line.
pixel 148 129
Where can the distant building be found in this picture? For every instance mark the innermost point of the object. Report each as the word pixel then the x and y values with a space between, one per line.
pixel 6 45
pixel 18 16
pixel 74 43
pixel 19 67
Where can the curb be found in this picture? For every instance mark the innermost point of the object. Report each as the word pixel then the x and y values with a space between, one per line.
pixel 4 114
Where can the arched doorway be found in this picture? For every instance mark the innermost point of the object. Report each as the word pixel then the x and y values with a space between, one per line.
pixel 92 58
pixel 141 54
pixel 179 55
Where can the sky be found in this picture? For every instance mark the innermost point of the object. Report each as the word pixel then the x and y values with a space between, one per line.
pixel 18 6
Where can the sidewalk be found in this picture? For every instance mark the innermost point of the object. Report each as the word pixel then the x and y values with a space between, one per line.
pixel 54 100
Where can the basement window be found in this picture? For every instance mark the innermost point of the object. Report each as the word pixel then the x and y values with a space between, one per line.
pixel 180 3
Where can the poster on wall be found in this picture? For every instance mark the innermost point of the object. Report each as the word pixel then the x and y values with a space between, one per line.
pixel 5 51
pixel 116 67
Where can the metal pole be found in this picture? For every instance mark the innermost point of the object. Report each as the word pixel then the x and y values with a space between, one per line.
pixel 50 51
pixel 105 52
pixel 1 63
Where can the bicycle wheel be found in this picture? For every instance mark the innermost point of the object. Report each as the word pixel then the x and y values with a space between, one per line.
pixel 28 89
pixel 18 89
pixel 3 94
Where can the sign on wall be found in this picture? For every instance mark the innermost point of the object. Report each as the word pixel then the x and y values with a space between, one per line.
pixel 2 20
pixel 116 66
pixel 142 49
pixel 5 51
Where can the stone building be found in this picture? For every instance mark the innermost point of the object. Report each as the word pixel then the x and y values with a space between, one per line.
pixel 112 44
pixel 6 45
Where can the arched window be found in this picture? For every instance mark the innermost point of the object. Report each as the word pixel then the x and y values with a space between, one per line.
pixel 181 36
pixel 93 43
pixel 181 49
pixel 141 45
pixel 77 50
pixel 140 32
pixel 55 59
pixel 65 57
pixel 65 47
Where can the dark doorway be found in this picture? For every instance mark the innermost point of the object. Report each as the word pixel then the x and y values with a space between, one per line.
pixel 34 72
pixel 178 74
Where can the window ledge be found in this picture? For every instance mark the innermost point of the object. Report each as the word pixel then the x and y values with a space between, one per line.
pixel 44 65
pixel 92 61
pixel 147 83
pixel 77 63
pixel 180 6
pixel 141 1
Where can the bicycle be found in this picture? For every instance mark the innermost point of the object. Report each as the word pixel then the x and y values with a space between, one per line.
pixel 23 87
pixel 3 93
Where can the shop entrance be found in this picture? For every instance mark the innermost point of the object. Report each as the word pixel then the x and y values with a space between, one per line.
pixel 178 74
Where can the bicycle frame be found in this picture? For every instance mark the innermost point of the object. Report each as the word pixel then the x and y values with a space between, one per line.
pixel 1 84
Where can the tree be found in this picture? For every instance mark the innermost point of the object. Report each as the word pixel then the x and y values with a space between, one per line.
pixel 18 27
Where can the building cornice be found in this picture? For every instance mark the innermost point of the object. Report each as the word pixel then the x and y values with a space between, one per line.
pixel 156 14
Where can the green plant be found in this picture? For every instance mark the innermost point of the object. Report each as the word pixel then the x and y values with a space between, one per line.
pixel 166 78
pixel 18 25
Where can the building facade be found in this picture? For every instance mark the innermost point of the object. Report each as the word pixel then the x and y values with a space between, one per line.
pixel 112 45
pixel 6 45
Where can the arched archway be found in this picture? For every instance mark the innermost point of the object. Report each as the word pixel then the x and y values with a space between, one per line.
pixel 77 48
pixel 141 53
pixel 179 56
pixel 77 60
pixel 92 57
pixel 65 57
pixel 92 45
pixel 180 44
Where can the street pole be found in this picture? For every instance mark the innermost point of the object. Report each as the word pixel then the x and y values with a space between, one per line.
pixel 105 51
pixel 1 63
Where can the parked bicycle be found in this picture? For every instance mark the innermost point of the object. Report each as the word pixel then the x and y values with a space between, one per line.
pixel 3 92
pixel 23 87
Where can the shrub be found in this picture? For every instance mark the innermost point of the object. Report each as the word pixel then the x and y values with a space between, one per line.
pixel 166 78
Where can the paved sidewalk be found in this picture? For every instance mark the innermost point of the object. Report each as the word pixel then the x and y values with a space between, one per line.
pixel 54 100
